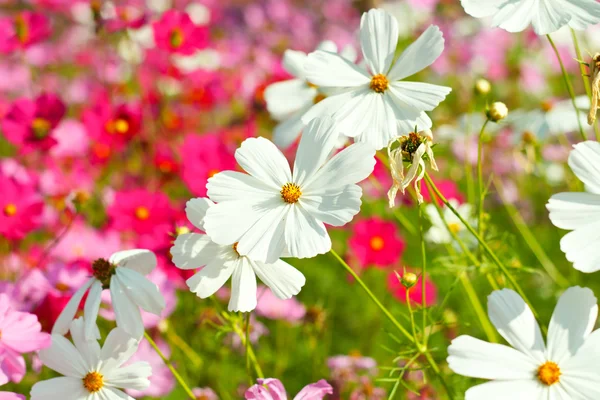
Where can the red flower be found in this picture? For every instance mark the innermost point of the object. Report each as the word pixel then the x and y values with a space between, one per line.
pixel 376 242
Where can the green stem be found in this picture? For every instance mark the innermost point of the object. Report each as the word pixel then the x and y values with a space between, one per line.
pixel 411 314
pixel 170 366
pixel 423 274
pixel 437 371
pixel 249 351
pixel 486 248
pixel 481 196
pixel 569 86
pixel 388 314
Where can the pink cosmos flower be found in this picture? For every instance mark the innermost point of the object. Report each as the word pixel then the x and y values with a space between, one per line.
pixel 177 33
pixel 448 188
pixel 20 208
pixel 23 30
pixel 202 394
pixel 21 333
pixel 140 211
pixel 272 389
pixel 82 242
pixel 204 156
pixel 272 307
pixel 11 396
pixel 72 139
pixel 414 293
pixel 376 242
pixel 161 381
pixel 30 124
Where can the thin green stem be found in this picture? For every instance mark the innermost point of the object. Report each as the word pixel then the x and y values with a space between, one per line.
pixel 249 351
pixel 437 371
pixel 170 366
pixel 481 196
pixel 388 314
pixel 411 314
pixel 485 246
pixel 175 339
pixel 423 273
pixel 569 86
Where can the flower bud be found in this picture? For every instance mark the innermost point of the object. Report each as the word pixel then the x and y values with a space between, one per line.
pixel 482 87
pixel 497 112
pixel 409 280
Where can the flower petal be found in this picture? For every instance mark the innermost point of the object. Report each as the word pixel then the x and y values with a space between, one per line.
pixel 195 211
pixel 118 348
pixel 574 210
pixel 315 391
pixel 530 389
pixel 378 39
pixel 583 13
pixel 287 97
pixel 305 236
pixel 64 388
pixel 287 131
pixel 63 322
pixel 264 241
pixel 584 160
pixel 284 280
pixel 550 17
pixel 141 290
pixel 480 9
pixel 243 288
pixel 580 247
pixel 515 322
pixel 211 278
pixel 333 103
pixel 64 358
pixel 127 314
pixel 134 376
pixel 91 309
pixel 194 250
pixel 327 69
pixel 293 62
pixel 88 348
pixel 140 260
pixel 234 186
pixel 334 207
pixel 515 16
pixel 419 55
pixel 421 96
pixel 478 359
pixel 572 322
pixel 262 159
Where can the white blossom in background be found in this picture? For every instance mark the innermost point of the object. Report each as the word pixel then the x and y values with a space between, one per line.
pixel 124 273
pixel 270 211
pixel 91 372
pixel 568 367
pixel 373 104
pixel 221 262
pixel 546 16
pixel 439 233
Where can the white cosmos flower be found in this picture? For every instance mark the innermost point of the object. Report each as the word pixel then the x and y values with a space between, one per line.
pixel 579 212
pixel 287 101
pixel 375 106
pixel 271 210
pixel 124 274
pixel 546 16
pixel 568 368
pixel 91 372
pixel 220 262
pixel 439 233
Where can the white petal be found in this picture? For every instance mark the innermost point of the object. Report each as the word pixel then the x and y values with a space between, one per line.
pixel 384 127
pixel 134 376
pixel 195 211
pixel 264 240
pixel 515 322
pixel 59 388
pixel 331 104
pixel 580 247
pixel 284 280
pixel 574 210
pixel 581 373
pixel 335 207
pixel 111 393
pixel 287 97
pixel 118 348
pixel 583 13
pixel 293 62
pixel 305 237
pixel 286 132
pixel 331 70
pixel 316 144
pixel 422 96
pixel 515 16
pixel 358 114
pixel 61 326
pixel 514 390
pixel 480 9
pixel 64 358
pixel 262 159
pixel 90 310
pixel 193 250
pixel 572 322
pixel 378 39
pixel 236 186
pixel 478 359
pixel 140 260
pixel 584 160
pixel 549 17
pixel 127 314
pixel 141 290
pixel 243 288
pixel 352 165
pixel 88 349
pixel 419 55
pixel 210 278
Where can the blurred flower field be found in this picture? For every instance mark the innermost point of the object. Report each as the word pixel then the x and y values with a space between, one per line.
pixel 322 199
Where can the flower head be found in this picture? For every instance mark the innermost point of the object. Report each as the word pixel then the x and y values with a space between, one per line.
pixel 23 30
pixel 270 389
pixel 376 242
pixel 177 33
pixel 20 208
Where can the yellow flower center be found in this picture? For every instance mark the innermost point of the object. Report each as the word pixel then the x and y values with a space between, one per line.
pixel 454 227
pixel 318 98
pixel 181 230
pixel 213 172
pixel 379 83
pixel 549 373
pixel 10 209
pixel 547 105
pixel 176 39
pixel 290 193
pixel 61 287
pixel 234 247
pixel 93 382
pixel 377 243
pixel 142 213
pixel 21 29
pixel 121 126
pixel 41 127
pixel 103 270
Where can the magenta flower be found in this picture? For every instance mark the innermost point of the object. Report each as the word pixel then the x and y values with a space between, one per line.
pixel 272 307
pixel 140 211
pixel 376 242
pixel 20 333
pixel 272 389
pixel 22 30
pixel 20 208
pixel 30 124
pixel 202 394
pixel 177 33
pixel 11 396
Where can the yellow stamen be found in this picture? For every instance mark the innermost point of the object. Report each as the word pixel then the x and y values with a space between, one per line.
pixel 549 373
pixel 21 29
pixel 234 247
pixel 377 243
pixel 10 209
pixel 103 270
pixel 41 127
pixel 290 193
pixel 121 126
pixel 142 213
pixel 379 83
pixel 454 227
pixel 176 39
pixel 93 382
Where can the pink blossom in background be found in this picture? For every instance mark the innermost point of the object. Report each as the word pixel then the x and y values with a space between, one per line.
pixel 23 30
pixel 162 381
pixel 20 208
pixel 272 307
pixel 203 394
pixel 272 389
pixel 449 190
pixel 415 293
pixel 84 242
pixel 140 211
pixel 376 242
pixel 30 124
pixel 177 33
pixel 427 5
pixel 21 333
pixel 11 396
pixel 72 139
